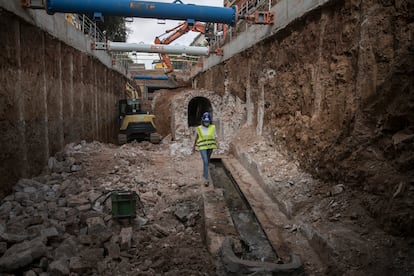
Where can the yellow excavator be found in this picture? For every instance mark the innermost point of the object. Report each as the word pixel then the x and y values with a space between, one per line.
pixel 135 124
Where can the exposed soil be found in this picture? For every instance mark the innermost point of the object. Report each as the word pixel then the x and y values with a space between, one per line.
pixel 334 91
pixel 51 95
pixel 331 216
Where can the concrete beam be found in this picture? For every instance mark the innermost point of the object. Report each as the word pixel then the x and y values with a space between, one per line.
pixel 58 27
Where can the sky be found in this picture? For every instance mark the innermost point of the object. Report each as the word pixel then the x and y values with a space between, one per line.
pixel 145 30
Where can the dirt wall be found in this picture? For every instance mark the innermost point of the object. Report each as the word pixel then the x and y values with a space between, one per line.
pixel 335 89
pixel 51 95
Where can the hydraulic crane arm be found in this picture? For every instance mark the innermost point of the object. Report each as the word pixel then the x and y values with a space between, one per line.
pixel 176 33
pixel 167 61
pixel 259 17
pixel 180 30
pixel 131 91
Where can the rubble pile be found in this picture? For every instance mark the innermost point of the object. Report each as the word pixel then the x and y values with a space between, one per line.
pixel 60 223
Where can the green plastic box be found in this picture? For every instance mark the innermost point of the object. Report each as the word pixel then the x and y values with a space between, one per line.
pixel 123 204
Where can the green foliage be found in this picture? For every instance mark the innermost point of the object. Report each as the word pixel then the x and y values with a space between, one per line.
pixel 115 28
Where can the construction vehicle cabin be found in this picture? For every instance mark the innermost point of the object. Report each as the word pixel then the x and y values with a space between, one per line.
pixel 135 124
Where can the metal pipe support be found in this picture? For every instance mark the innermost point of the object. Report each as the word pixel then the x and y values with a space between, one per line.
pixel 153 48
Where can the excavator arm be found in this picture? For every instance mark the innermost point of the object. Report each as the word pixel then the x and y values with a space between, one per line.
pixel 176 33
pixel 131 92
pixel 167 61
pixel 259 17
pixel 180 30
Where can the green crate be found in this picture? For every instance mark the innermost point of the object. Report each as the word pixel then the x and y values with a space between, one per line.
pixel 123 204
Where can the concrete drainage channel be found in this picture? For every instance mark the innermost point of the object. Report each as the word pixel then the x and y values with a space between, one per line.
pixel 235 234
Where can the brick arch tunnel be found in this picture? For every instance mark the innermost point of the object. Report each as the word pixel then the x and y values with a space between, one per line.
pixel 196 107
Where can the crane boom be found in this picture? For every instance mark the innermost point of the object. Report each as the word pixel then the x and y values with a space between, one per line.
pixel 176 33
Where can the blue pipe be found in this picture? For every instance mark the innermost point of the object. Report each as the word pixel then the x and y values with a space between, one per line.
pixel 145 9
pixel 149 77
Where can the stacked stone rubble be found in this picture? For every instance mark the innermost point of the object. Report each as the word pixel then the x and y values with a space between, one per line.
pixel 48 225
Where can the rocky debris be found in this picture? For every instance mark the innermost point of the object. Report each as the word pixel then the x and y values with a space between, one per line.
pixel 187 214
pixel 59 268
pixel 22 254
pixel 60 223
pixel 125 237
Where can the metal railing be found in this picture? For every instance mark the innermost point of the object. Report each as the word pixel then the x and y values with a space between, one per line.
pixel 82 23
pixel 88 27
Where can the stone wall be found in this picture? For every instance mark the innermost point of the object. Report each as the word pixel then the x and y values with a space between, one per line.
pixel 51 95
pixel 228 113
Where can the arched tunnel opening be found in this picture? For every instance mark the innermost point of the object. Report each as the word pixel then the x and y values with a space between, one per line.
pixel 196 107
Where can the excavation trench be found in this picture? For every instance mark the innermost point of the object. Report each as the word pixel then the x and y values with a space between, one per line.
pixel 255 244
pixel 245 247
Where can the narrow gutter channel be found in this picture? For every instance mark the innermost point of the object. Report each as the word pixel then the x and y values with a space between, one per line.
pixel 256 246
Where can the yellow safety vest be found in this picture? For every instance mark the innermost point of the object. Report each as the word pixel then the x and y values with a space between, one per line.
pixel 206 141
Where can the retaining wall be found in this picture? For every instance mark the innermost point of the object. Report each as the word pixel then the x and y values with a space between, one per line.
pixel 54 90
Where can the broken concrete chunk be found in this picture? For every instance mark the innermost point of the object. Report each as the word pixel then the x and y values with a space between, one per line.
pixel 77 265
pixel 98 231
pixel 160 231
pixel 85 239
pixel 25 183
pixel 13 238
pixel 114 251
pixel 68 163
pixel 96 225
pixel 51 163
pixel 22 254
pixel 140 221
pixel 59 214
pixel 30 273
pixel 3 247
pixel 59 268
pixel 33 220
pixel 75 168
pixel 76 201
pixel 182 212
pixel 49 232
pixel 125 238
pixel 21 197
pixel 29 190
pixel 5 209
pixel 67 249
pixel 83 208
pixel 91 256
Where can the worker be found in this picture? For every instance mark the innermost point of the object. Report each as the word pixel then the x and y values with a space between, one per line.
pixel 206 142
